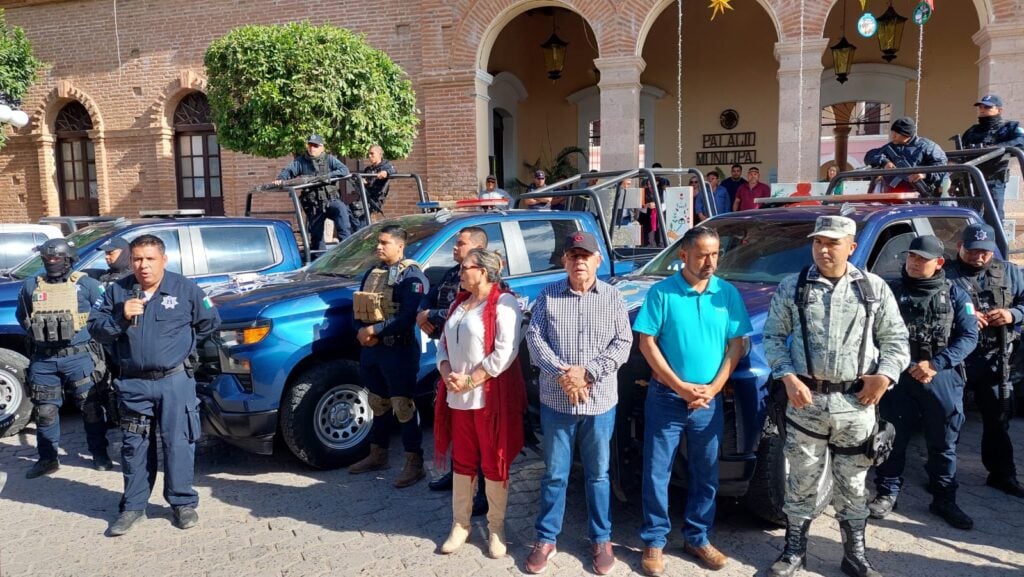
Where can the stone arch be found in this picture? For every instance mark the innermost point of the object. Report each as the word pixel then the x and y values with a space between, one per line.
pixel 474 38
pixel 661 5
pixel 45 114
pixel 984 8
pixel 161 113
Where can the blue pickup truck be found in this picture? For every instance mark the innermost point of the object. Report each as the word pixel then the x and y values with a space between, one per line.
pixel 758 249
pixel 208 250
pixel 285 358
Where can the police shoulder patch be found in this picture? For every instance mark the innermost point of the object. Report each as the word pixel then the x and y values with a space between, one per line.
pixel 417 287
pixel 207 303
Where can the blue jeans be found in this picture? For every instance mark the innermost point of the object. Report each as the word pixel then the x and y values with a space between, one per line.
pixel 666 419
pixel 595 436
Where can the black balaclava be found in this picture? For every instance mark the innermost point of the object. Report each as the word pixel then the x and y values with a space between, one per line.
pixel 990 121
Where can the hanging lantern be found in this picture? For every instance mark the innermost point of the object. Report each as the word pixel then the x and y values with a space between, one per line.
pixel 554 55
pixel 890 33
pixel 842 58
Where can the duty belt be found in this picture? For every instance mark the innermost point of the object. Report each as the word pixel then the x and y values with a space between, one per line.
pixel 396 340
pixel 61 351
pixel 151 375
pixel 828 387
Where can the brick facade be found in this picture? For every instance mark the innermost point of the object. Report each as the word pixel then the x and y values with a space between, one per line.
pixel 130 68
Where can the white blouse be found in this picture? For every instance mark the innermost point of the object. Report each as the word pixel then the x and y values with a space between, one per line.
pixel 462 345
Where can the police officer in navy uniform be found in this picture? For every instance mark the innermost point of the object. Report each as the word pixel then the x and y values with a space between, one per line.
pixel 905 147
pixel 119 260
pixel 377 183
pixel 943 332
pixel 316 162
pixel 384 316
pixel 53 309
pixel 154 319
pixel 997 290
pixel 435 308
pixel 990 131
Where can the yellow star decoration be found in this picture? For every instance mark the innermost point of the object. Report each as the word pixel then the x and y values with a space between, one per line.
pixel 718 6
pixel 863 4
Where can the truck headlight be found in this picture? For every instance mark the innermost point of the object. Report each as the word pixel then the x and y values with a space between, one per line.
pixel 244 335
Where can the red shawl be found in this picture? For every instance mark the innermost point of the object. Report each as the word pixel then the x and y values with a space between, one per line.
pixel 504 397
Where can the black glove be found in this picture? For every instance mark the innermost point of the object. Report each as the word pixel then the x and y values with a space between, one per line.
pixel 1006 402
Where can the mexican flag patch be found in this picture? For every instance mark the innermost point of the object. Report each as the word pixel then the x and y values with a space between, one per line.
pixel 207 303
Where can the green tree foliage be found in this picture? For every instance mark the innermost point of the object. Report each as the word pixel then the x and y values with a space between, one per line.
pixel 18 67
pixel 271 86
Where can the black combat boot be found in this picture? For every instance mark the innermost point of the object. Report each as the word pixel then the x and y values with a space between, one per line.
pixel 855 564
pixel 794 555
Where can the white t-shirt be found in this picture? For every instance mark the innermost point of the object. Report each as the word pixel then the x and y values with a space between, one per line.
pixel 462 345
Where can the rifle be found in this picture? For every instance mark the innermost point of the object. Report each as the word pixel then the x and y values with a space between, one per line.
pixel 900 162
pixel 1004 388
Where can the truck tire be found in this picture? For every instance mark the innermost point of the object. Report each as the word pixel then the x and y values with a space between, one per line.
pixel 326 416
pixel 767 491
pixel 15 403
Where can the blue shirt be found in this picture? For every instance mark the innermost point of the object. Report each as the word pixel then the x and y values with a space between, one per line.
pixel 175 318
pixel 722 202
pixel 692 329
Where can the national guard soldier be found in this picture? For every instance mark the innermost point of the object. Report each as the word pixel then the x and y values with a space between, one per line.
pixel 154 320
pixel 831 309
pixel 384 316
pixel 943 331
pixel 321 202
pixel 997 291
pixel 53 309
pixel 993 130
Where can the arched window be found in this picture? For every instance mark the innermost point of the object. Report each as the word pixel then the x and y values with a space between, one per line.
pixel 197 156
pixel 76 162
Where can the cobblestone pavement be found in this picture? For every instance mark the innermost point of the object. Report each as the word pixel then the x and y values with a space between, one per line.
pixel 262 516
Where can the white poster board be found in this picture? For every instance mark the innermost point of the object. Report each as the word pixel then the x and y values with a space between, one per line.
pixel 678 210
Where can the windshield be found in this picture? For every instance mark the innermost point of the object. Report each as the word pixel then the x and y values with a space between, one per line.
pixel 34 266
pixel 358 253
pixel 752 251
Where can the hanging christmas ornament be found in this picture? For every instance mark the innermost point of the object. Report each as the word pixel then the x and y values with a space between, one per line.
pixel 867 25
pixel 923 11
pixel 719 6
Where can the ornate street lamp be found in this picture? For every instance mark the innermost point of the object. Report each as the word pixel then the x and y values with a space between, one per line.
pixel 554 53
pixel 13 116
pixel 890 33
pixel 842 53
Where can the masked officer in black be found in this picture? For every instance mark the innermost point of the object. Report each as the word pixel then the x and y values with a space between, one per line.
pixel 943 331
pixel 993 130
pixel 154 319
pixel 315 162
pixel 384 316
pixel 377 184
pixel 997 291
pixel 906 149
pixel 119 260
pixel 53 310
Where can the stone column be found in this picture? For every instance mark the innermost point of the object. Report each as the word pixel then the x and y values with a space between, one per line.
pixel 842 140
pixel 620 111
pixel 450 102
pixel 482 101
pixel 1001 66
pixel 799 129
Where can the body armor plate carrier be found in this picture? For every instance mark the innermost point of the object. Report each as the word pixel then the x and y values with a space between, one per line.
pixel 375 303
pixel 55 317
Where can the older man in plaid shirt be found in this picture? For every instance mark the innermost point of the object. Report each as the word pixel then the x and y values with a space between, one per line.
pixel 579 335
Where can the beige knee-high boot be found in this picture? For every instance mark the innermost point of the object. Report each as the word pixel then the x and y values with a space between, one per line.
pixel 497 501
pixel 462 511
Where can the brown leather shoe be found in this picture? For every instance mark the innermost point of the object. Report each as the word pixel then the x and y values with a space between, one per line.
pixel 653 563
pixel 375 461
pixel 412 472
pixel 541 553
pixel 711 557
pixel 604 559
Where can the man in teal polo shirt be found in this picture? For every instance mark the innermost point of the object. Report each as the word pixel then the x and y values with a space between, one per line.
pixel 691 330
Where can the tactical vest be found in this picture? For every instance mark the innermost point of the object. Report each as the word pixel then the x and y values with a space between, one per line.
pixel 375 303
pixel 997 295
pixel 55 317
pixel 929 322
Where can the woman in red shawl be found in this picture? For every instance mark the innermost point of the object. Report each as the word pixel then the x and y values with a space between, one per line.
pixel 481 396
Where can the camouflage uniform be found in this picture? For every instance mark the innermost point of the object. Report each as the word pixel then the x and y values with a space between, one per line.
pixel 848 423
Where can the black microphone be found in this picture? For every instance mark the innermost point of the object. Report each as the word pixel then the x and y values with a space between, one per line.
pixel 137 293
